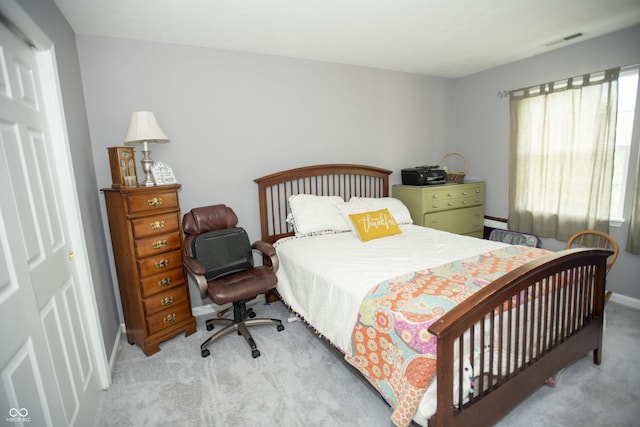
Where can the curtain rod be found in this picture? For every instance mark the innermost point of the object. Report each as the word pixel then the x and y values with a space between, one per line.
pixel 605 74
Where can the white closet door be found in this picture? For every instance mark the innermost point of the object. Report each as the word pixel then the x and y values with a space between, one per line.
pixel 48 370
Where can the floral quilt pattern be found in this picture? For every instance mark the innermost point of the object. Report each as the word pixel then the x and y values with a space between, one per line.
pixel 391 344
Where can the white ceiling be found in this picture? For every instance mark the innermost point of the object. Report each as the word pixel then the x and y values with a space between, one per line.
pixel 448 38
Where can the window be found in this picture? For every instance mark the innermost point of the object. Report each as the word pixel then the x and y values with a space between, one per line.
pixel 562 149
pixel 627 92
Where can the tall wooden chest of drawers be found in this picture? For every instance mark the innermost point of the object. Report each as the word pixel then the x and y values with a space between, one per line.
pixel 457 208
pixel 146 235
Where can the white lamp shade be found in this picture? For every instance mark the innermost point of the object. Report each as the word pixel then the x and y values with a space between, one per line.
pixel 144 127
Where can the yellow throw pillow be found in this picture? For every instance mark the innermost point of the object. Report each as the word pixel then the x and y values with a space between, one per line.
pixel 375 224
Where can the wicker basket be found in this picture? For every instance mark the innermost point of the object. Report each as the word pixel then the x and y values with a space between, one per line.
pixel 455 177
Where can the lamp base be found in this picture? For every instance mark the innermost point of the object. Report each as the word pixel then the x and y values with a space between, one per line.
pixel 146 168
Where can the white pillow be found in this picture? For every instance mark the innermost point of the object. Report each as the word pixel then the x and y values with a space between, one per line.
pixel 317 214
pixel 396 208
pixel 354 207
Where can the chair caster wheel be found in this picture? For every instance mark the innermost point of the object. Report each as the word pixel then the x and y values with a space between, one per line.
pixel 280 328
pixel 209 327
pixel 205 352
pixel 255 353
pixel 252 314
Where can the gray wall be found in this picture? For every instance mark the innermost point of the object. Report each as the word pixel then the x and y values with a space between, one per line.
pixel 48 17
pixel 482 129
pixel 233 117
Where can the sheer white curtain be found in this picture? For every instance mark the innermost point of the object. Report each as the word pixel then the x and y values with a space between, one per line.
pixel 633 239
pixel 561 155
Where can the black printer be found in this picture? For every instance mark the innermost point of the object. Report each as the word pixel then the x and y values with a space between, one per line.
pixel 423 175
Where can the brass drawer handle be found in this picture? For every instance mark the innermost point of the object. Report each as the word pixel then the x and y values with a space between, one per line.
pixel 156 225
pixel 170 318
pixel 167 300
pixel 164 282
pixel 160 244
pixel 162 263
pixel 155 201
pixel 435 196
pixel 450 204
pixel 464 202
pixel 434 207
pixel 464 193
pixel 449 194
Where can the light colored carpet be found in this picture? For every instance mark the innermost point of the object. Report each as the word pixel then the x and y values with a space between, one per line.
pixel 299 381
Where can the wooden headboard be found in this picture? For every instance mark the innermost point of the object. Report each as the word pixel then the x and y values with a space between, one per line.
pixel 342 180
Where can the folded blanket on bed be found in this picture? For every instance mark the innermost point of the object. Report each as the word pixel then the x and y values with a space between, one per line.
pixel 391 344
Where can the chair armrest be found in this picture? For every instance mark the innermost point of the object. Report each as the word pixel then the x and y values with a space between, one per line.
pixel 269 258
pixel 197 271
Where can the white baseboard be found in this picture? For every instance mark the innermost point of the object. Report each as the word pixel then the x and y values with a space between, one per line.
pixel 113 358
pixel 624 300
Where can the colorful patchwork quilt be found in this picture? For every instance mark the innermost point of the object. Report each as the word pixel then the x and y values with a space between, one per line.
pixel 391 344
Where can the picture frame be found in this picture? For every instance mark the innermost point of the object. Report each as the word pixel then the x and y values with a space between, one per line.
pixel 122 162
pixel 162 174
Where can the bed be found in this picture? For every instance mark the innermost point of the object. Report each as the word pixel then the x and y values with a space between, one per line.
pixel 451 330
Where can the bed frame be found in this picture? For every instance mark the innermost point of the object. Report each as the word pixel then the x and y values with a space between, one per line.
pixel 323 180
pixel 542 316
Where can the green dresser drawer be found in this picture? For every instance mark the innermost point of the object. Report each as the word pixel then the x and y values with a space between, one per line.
pixel 455 191
pixel 436 205
pixel 468 221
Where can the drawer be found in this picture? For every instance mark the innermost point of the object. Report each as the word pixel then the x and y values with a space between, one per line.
pixel 459 221
pixel 453 203
pixel 160 282
pixel 167 318
pixel 155 225
pixel 157 264
pixel 453 191
pixel 157 245
pixel 156 201
pixel 165 300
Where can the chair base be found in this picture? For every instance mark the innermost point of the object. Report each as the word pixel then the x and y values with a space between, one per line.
pixel 240 323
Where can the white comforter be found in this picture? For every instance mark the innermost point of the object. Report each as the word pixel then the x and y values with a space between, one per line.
pixel 324 278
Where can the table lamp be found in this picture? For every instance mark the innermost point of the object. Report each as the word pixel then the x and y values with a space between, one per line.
pixel 144 129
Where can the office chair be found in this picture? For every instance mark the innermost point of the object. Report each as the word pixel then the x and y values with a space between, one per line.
pixel 595 239
pixel 219 256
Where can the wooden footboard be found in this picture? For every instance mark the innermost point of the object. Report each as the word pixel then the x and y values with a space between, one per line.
pixel 519 331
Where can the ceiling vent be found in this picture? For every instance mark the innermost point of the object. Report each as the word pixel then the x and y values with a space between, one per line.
pixel 564 39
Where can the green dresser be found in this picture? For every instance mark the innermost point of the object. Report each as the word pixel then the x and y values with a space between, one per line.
pixel 457 208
